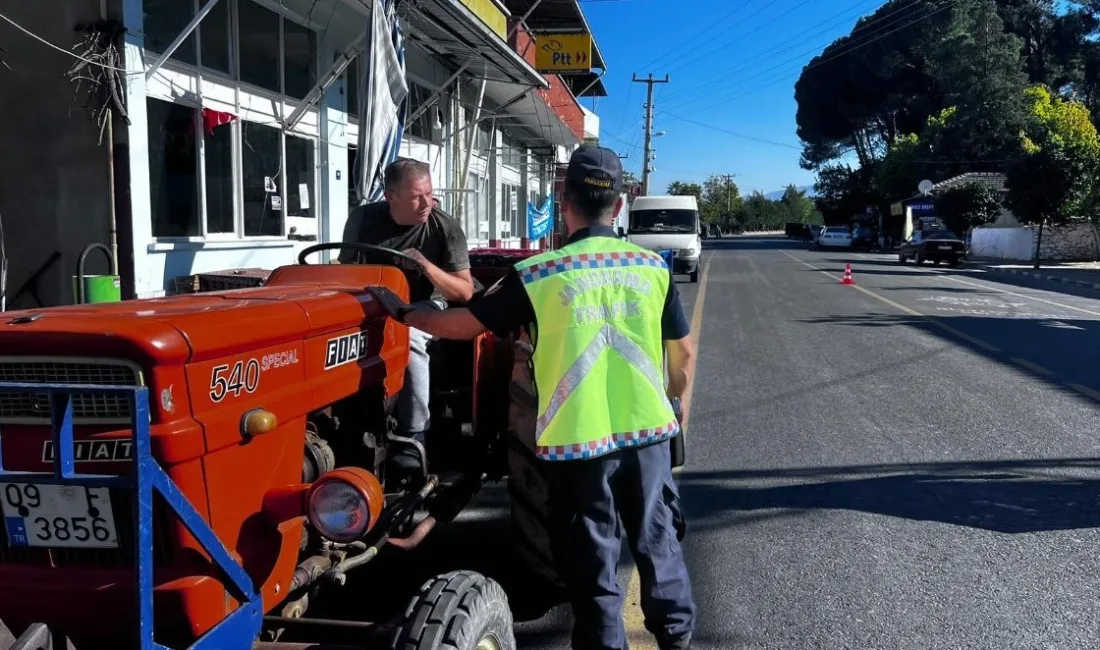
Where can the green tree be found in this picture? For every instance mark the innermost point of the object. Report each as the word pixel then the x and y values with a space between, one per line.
pixel 968 205
pixel 1053 179
pixel 722 198
pixel 680 188
pixel 800 209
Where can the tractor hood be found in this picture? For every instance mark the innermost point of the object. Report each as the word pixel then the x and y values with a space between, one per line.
pixel 187 328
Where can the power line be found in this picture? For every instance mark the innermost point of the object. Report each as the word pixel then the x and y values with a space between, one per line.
pixel 64 51
pixel 744 36
pixel 696 36
pixel 725 97
pixel 725 31
pixel 797 39
pixel 733 133
pixel 866 33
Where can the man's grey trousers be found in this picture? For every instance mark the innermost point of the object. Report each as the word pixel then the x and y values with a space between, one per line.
pixel 412 410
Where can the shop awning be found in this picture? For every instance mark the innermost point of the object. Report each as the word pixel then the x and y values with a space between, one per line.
pixel 528 118
pixel 565 16
pixel 451 32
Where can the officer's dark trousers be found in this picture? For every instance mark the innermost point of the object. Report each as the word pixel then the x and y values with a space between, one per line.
pixel 588 498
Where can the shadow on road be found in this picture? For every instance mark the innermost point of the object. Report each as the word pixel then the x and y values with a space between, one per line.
pixel 1069 348
pixel 754 243
pixel 974 271
pixel 1006 497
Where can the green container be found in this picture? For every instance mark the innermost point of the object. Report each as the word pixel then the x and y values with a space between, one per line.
pixel 99 288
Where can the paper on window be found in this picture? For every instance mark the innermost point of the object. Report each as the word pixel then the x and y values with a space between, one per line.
pixel 276 202
pixel 269 185
pixel 303 195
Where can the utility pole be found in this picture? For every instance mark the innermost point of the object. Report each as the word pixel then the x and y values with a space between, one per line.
pixel 729 191
pixel 649 81
pixel 729 197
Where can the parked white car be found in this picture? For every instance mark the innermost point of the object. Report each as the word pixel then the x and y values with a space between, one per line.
pixel 835 237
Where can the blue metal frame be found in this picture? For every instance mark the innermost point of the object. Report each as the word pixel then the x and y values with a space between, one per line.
pixel 241 628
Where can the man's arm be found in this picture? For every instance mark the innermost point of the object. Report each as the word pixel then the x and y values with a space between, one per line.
pixel 452 276
pixel 679 347
pixel 503 308
pixel 457 285
pixel 681 364
pixel 453 324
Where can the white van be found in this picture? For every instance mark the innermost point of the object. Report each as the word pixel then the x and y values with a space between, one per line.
pixel 662 223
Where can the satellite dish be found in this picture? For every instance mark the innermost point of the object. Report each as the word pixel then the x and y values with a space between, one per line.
pixel 925 187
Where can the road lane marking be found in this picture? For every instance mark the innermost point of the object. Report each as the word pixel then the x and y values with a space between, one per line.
pixel 902 308
pixel 633 619
pixel 1086 391
pixel 1033 367
pixel 945 276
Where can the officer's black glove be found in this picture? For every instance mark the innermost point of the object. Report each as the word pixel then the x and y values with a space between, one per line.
pixel 391 302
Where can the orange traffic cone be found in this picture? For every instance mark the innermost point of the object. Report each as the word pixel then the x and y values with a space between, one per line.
pixel 847 275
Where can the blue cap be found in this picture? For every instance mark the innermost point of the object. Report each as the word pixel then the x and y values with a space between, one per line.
pixel 592 167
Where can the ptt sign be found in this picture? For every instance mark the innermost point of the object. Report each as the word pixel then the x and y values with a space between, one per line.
pixel 563 52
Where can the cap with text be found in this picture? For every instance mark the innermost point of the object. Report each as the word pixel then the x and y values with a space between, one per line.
pixel 594 167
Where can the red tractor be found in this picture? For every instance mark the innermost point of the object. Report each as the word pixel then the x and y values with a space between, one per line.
pixel 191 471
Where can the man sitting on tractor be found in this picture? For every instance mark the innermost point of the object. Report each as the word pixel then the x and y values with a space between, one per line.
pixel 409 220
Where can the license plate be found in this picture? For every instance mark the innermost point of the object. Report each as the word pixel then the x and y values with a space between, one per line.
pixel 58 516
pixel 945 247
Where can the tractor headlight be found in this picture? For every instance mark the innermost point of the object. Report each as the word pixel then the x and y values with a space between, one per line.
pixel 344 504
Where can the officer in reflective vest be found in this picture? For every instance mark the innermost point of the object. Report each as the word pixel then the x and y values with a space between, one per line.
pixel 603 314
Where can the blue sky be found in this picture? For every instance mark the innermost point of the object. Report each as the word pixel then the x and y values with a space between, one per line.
pixel 732 66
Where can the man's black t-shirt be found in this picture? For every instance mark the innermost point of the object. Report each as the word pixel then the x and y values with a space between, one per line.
pixel 440 240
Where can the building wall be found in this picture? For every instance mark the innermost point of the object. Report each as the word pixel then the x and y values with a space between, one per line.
pixel 54 183
pixel 1071 243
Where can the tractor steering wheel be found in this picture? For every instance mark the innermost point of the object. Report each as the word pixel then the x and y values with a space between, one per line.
pixel 402 260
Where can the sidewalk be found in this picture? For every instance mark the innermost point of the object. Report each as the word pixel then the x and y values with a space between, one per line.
pixel 1081 274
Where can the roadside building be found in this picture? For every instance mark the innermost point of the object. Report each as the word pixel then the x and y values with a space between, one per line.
pixel 239 149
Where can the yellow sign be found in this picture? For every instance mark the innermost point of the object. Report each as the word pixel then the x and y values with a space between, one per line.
pixel 563 52
pixel 489 14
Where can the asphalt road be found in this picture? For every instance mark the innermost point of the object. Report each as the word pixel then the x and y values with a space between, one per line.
pixel 907 463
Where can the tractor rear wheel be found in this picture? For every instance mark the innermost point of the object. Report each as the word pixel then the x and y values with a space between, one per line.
pixel 460 610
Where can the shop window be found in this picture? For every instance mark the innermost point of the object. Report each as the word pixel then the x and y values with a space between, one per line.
pixel 218 154
pixel 301 173
pixel 164 20
pixel 299 59
pixel 351 86
pixel 484 143
pixel 261 153
pixel 422 127
pixel 510 211
pixel 476 207
pixel 258 40
pixel 173 170
pixel 214 37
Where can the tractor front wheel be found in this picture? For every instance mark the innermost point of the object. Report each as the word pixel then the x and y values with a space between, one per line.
pixel 460 610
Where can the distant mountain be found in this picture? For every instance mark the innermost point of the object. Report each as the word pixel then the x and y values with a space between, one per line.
pixel 778 194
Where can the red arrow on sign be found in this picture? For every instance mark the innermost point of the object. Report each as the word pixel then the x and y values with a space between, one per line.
pixel 582 57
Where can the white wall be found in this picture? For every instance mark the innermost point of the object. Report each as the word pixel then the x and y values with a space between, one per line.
pixel 1071 243
pixel 1003 243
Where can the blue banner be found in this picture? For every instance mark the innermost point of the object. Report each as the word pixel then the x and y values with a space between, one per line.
pixel 540 220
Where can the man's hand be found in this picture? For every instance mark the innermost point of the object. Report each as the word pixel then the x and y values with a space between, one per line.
pixel 391 302
pixel 419 257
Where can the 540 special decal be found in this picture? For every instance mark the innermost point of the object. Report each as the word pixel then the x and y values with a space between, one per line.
pixel 243 376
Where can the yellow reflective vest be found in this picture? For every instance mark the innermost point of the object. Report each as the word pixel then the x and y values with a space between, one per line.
pixel 599 355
